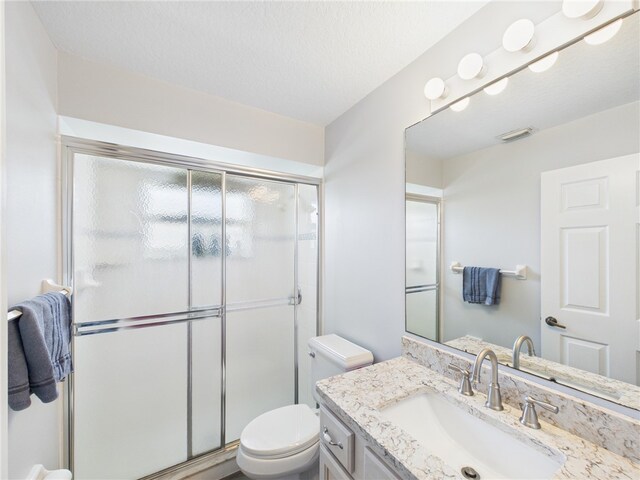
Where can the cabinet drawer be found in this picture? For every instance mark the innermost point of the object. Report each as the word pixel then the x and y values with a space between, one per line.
pixel 374 467
pixel 337 438
pixel 330 469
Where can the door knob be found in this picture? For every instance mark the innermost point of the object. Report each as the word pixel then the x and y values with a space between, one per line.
pixel 552 322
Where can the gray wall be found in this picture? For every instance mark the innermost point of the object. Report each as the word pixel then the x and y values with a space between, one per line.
pixel 365 185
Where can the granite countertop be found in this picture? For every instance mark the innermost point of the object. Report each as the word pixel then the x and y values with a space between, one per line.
pixel 357 398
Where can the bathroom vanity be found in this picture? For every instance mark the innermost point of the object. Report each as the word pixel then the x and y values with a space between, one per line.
pixel 404 418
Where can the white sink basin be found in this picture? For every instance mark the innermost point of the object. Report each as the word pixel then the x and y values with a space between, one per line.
pixel 462 440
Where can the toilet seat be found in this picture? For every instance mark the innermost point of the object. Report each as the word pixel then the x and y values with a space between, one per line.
pixel 281 433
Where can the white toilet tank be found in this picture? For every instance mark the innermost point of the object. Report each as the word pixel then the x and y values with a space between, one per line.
pixel 332 355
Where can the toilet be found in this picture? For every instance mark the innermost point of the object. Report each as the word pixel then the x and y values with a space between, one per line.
pixel 283 443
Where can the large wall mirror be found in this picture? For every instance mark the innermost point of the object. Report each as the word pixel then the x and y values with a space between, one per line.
pixel 542 182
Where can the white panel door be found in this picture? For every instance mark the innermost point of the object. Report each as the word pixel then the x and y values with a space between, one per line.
pixel 589 241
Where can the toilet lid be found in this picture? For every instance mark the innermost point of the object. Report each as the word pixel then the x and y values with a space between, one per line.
pixel 285 430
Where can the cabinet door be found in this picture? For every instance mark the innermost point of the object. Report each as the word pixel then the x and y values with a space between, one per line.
pixel 374 467
pixel 330 468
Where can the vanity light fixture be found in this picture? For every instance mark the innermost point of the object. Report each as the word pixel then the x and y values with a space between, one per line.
pixel 435 88
pixel 460 105
pixel 497 87
pixel 604 34
pixel 519 36
pixel 584 9
pixel 545 63
pixel 471 66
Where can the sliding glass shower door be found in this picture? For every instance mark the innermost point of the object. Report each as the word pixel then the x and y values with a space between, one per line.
pixel 260 228
pixel 186 307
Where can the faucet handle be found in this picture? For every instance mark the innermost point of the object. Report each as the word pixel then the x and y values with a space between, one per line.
pixel 465 383
pixel 529 416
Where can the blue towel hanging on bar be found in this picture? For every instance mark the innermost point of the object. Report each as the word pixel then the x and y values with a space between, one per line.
pixel 481 285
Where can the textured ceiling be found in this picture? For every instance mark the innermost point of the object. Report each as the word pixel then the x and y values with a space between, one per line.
pixel 310 60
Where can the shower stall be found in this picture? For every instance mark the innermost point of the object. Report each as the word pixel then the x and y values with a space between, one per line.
pixel 195 292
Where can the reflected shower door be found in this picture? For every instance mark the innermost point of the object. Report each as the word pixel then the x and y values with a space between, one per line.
pixel 422 266
pixel 260 231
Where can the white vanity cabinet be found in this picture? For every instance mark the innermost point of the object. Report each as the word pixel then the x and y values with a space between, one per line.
pixel 347 456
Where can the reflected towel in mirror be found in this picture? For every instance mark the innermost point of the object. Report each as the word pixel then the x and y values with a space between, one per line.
pixel 481 285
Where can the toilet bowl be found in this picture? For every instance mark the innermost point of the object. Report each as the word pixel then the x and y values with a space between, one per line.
pixel 281 444
pixel 284 443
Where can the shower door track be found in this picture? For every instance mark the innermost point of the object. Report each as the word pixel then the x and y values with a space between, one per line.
pixel 71 146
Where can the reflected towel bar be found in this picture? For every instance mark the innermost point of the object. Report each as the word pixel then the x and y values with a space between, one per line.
pixel 46 287
pixel 520 272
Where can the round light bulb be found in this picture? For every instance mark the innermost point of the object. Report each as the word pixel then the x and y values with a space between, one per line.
pixel 519 36
pixel 460 105
pixel 604 34
pixel 471 66
pixel 435 88
pixel 498 87
pixel 584 9
pixel 544 64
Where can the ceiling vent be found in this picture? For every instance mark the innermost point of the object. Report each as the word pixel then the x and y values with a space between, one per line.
pixel 517 134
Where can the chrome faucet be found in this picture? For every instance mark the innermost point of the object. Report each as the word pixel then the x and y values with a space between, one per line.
pixel 494 399
pixel 518 346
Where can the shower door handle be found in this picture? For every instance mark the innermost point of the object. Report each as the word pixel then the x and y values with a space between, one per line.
pixel 297 300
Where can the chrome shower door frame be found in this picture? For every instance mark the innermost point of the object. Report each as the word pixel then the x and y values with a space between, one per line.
pixel 70 146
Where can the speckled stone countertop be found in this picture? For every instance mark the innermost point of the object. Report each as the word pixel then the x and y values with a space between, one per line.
pixel 357 398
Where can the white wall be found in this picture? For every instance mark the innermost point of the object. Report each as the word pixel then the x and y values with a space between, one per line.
pixel 492 216
pixel 109 95
pixel 365 185
pixel 31 125
pixel 3 284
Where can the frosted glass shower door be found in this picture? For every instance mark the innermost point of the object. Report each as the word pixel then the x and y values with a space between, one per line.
pixel 147 270
pixel 188 313
pixel 130 239
pixel 260 231
pixel 130 256
pixel 130 413
pixel 205 422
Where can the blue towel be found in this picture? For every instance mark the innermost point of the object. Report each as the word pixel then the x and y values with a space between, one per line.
pixel 481 285
pixel 39 352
